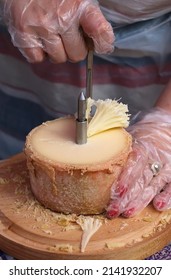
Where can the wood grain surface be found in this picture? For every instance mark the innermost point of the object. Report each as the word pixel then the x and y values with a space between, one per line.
pixel 29 231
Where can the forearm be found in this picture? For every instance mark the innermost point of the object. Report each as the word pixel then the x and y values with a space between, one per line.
pixel 164 101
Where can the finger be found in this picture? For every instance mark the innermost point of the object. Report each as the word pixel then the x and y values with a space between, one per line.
pixel 148 193
pixel 132 173
pixel 129 199
pixel 29 44
pixel 113 209
pixel 135 206
pixel 162 201
pixel 96 27
pixel 33 55
pixel 140 195
pixel 54 47
pixel 74 44
pixel 131 183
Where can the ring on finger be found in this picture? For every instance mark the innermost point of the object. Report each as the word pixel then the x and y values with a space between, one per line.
pixel 155 168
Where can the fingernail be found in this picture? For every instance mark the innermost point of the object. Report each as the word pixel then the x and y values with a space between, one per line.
pixel 128 213
pixel 112 213
pixel 160 204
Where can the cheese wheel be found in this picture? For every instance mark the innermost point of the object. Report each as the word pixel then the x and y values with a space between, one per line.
pixel 71 178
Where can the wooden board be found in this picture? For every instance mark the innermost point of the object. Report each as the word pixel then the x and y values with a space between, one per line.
pixel 29 231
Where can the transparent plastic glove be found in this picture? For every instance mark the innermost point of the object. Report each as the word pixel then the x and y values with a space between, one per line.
pixel 55 28
pixel 137 185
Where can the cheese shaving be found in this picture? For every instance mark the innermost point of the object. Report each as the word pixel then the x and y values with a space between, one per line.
pixel 112 245
pixel 64 248
pixel 89 226
pixel 109 114
pixel 3 181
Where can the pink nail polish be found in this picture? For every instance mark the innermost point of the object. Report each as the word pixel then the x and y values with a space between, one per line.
pixel 112 213
pixel 160 204
pixel 129 212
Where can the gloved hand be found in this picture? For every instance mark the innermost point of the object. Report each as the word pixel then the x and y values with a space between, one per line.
pixel 139 184
pixel 55 28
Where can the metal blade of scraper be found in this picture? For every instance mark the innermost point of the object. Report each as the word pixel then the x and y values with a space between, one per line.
pixel 89 70
pixel 81 121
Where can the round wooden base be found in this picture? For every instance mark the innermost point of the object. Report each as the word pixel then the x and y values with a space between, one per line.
pixel 29 231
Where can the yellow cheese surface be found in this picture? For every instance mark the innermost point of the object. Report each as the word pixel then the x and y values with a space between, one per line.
pixel 55 140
